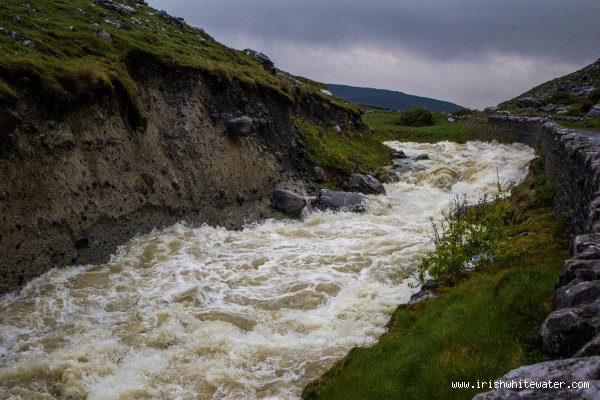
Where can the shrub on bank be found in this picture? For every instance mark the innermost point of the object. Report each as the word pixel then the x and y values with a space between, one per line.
pixel 468 235
pixel 416 117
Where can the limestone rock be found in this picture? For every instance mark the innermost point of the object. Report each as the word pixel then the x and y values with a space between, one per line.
pixel 319 174
pixel 528 102
pixel 570 370
pixel 422 296
pixel 576 293
pixel 105 36
pixel 240 126
pixel 565 331
pixel 594 112
pixel 582 243
pixel 584 270
pixel 398 154
pixel 288 202
pixel 365 184
pixel 339 201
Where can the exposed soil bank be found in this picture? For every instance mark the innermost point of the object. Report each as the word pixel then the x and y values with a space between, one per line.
pixel 76 184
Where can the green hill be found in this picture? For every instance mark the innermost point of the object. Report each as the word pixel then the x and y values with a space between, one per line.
pixel 389 99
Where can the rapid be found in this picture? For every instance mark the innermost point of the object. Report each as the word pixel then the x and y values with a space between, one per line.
pixel 208 313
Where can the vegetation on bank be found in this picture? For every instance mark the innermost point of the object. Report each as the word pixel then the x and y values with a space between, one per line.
pixel 346 150
pixel 387 126
pixel 484 323
pixel 72 50
pixel 592 124
pixel 417 117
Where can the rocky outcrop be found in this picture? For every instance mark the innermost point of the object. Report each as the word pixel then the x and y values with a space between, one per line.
pixel 76 185
pixel 339 201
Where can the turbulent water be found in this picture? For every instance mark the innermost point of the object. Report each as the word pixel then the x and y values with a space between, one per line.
pixel 201 313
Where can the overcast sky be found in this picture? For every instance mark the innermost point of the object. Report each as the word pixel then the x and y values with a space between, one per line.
pixel 473 52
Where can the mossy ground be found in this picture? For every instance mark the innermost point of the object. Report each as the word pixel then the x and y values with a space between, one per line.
pixel 484 323
pixel 385 124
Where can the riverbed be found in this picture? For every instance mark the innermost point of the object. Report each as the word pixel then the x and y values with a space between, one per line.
pixel 209 313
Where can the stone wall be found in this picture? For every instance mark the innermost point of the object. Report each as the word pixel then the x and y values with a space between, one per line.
pixel 571 332
pixel 572 162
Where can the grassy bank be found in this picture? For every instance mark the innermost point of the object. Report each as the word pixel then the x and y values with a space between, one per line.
pixel 348 150
pixel 483 324
pixel 591 124
pixel 69 51
pixel 385 124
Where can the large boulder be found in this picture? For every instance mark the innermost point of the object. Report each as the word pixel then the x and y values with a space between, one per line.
pixel 240 126
pixel 339 201
pixel 398 154
pixel 584 270
pixel 265 61
pixel 318 174
pixel 288 202
pixel 567 371
pixel 576 293
pixel 565 331
pixel 528 102
pixel 365 184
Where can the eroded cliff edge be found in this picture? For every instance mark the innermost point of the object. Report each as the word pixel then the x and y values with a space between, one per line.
pixel 76 183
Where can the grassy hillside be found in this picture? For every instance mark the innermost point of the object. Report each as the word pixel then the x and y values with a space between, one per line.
pixel 483 324
pixel 390 100
pixel 68 50
pixel 571 95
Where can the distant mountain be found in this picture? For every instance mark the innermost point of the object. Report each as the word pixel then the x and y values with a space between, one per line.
pixel 389 99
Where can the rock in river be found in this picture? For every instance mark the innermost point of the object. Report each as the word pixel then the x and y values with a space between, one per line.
pixel 365 184
pixel 339 201
pixel 288 202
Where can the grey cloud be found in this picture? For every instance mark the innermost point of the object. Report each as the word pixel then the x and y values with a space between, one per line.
pixel 473 52
pixel 560 29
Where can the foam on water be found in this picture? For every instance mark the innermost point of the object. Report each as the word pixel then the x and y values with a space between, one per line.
pixel 194 313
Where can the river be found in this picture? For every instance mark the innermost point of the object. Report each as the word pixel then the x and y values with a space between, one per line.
pixel 208 313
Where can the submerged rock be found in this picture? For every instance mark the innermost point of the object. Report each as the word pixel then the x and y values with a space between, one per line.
pixel 288 202
pixel 339 201
pixel 366 184
pixel 398 154
pixel 421 157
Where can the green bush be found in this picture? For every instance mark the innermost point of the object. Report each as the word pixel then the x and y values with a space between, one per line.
pixel 561 97
pixel 466 231
pixel 416 117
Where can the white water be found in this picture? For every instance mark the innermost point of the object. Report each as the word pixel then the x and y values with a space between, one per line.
pixel 209 313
